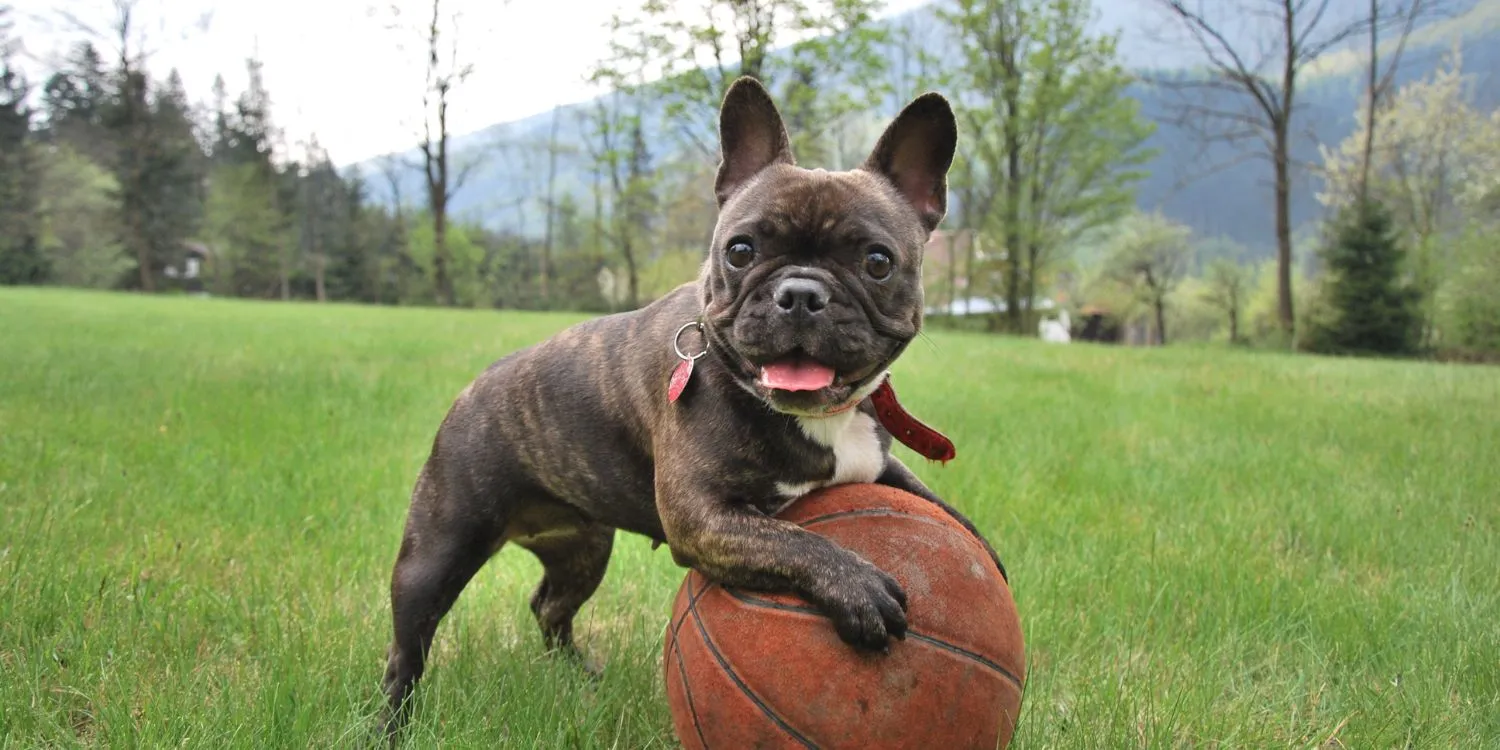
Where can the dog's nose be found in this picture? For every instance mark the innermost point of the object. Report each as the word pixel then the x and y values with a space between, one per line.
pixel 801 295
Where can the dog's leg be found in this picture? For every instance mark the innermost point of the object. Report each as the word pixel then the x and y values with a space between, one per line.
pixel 735 545
pixel 573 561
pixel 440 552
pixel 897 475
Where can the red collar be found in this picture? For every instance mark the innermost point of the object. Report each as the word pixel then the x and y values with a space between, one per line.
pixel 927 442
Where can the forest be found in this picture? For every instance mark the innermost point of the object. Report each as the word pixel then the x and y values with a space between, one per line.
pixel 1336 189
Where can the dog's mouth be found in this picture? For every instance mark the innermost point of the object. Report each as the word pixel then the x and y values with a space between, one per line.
pixel 799 384
pixel 795 373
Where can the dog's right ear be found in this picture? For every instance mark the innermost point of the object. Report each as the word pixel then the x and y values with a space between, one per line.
pixel 751 137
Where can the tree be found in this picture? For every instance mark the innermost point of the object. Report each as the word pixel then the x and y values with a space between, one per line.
pixel 1430 147
pixel 324 220
pixel 1228 286
pixel 128 119
pixel 554 150
pixel 75 99
pixel 623 164
pixel 1150 255
pixel 831 68
pixel 1380 84
pixel 1055 140
pixel 246 220
pixel 441 176
pixel 79 208
pixel 1248 92
pixel 172 169
pixel 1369 309
pixel 21 260
pixel 1470 307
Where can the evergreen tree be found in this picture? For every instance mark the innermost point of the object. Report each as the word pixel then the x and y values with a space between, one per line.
pixel 1369 308
pixel 75 99
pixel 245 221
pixel 173 166
pixel 21 260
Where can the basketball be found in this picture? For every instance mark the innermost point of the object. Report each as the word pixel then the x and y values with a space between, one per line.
pixel 747 669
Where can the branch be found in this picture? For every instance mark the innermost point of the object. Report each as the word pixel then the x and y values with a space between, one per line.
pixel 1209 40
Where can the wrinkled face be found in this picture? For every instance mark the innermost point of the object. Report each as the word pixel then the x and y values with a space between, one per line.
pixel 812 287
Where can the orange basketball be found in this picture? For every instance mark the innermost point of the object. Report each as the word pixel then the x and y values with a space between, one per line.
pixel 752 670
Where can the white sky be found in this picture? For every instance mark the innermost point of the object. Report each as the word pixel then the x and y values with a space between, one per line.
pixel 334 69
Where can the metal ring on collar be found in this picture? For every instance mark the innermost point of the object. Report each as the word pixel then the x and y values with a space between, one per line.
pixel 678 337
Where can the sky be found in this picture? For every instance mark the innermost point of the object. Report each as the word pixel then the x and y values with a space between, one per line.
pixel 336 69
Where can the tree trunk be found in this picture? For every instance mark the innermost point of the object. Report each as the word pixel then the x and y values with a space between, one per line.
pixel 952 275
pixel 546 264
pixel 1033 254
pixel 1012 214
pixel 969 273
pixel 1161 320
pixel 440 258
pixel 318 265
pixel 1013 232
pixel 143 257
pixel 1283 233
pixel 1373 95
pixel 1281 125
pixel 1234 324
pixel 632 289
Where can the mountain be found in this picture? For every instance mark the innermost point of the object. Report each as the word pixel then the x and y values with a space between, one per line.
pixel 1186 182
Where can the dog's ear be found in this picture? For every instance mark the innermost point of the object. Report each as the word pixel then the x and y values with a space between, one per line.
pixel 751 137
pixel 915 153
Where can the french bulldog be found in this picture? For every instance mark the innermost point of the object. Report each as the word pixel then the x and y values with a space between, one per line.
pixel 695 419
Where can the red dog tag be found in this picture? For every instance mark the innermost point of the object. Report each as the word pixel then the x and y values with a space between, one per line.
pixel 680 375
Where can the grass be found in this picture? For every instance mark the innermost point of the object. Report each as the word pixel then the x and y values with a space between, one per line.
pixel 200 501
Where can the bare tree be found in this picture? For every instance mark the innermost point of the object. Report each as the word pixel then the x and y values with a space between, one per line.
pixel 1261 78
pixel 554 149
pixel 1380 84
pixel 443 179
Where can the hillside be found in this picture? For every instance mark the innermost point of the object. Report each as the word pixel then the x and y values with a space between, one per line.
pixel 1184 182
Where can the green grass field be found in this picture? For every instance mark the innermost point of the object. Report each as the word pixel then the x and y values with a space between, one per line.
pixel 200 501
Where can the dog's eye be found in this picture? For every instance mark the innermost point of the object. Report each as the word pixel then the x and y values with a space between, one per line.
pixel 878 264
pixel 739 254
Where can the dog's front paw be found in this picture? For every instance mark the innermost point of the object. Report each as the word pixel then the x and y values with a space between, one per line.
pixel 866 605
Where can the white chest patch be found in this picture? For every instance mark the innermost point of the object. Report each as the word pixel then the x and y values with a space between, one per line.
pixel 857 457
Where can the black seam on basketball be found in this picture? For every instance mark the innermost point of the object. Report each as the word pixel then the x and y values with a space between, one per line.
pixel 728 670
pixel 851 513
pixel 755 601
pixel 946 646
pixel 687 690
pixel 692 599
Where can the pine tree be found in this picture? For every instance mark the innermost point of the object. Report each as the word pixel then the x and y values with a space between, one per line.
pixel 1370 309
pixel 75 99
pixel 21 260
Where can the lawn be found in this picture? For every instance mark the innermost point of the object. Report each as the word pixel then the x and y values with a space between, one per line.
pixel 200 501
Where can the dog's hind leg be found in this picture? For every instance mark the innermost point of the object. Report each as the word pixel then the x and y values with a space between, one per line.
pixel 574 559
pixel 445 544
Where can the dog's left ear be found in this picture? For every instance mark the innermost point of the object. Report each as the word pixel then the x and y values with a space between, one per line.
pixel 915 153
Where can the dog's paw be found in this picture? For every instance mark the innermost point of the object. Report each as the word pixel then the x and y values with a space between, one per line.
pixel 867 606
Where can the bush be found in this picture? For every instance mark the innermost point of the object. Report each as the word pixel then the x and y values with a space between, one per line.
pixel 1469 304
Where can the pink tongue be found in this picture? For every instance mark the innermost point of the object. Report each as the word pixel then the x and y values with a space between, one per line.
pixel 796 375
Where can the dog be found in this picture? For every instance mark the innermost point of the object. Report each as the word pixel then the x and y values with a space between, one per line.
pixel 695 419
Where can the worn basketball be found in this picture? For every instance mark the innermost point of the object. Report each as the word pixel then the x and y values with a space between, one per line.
pixel 752 670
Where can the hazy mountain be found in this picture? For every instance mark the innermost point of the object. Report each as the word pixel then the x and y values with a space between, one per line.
pixel 506 190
